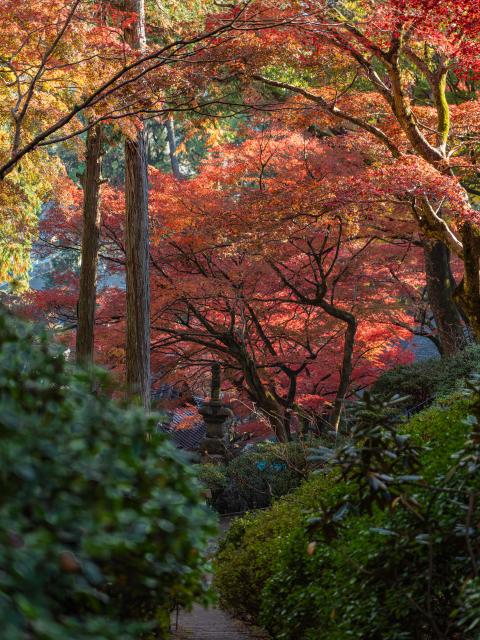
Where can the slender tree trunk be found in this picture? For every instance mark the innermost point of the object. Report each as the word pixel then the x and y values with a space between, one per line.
pixel 265 400
pixel 440 292
pixel 287 424
pixel 172 147
pixel 281 426
pixel 90 239
pixel 346 370
pixel 137 268
pixel 136 243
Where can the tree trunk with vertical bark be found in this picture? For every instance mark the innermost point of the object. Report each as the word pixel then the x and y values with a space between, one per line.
pixel 137 269
pixel 467 293
pixel 265 400
pixel 440 292
pixel 90 238
pixel 136 242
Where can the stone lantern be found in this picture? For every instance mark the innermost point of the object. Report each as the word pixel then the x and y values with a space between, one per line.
pixel 214 445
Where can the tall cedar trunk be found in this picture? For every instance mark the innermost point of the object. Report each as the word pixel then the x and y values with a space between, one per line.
pixel 440 291
pixel 137 268
pixel 90 238
pixel 136 242
pixel 172 148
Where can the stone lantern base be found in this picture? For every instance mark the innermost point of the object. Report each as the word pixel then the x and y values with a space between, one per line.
pixel 214 446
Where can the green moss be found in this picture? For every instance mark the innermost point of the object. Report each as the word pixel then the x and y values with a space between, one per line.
pixel 443 109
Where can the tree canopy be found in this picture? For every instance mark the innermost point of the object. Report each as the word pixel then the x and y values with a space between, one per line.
pixel 312 191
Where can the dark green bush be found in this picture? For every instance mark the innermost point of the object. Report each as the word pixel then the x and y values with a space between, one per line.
pixel 255 478
pixel 271 470
pixel 387 569
pixel 101 522
pixel 213 477
pixel 428 379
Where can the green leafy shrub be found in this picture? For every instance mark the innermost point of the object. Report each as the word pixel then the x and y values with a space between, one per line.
pixel 247 554
pixel 255 478
pixel 213 478
pixel 428 379
pixel 271 470
pixel 101 522
pixel 390 559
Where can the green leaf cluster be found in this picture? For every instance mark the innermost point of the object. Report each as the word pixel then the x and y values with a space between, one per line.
pixel 102 527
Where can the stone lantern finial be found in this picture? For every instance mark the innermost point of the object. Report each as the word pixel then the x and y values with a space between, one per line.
pixel 216 382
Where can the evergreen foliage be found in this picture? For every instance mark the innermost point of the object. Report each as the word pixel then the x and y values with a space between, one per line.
pixel 390 558
pixel 101 523
pixel 429 379
pixel 255 478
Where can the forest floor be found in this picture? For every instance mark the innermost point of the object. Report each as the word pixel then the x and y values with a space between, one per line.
pixel 212 623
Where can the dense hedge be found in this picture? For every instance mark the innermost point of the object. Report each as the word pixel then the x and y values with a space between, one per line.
pixel 256 541
pixel 306 568
pixel 425 380
pixel 101 522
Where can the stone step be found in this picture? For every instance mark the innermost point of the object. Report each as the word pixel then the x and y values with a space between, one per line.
pixel 206 624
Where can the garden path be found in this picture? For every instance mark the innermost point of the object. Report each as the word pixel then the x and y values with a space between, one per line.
pixel 212 623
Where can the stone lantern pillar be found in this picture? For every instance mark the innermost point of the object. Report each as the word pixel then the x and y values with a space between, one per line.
pixel 214 445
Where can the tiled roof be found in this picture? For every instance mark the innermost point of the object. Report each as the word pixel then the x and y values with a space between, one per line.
pixel 185 438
